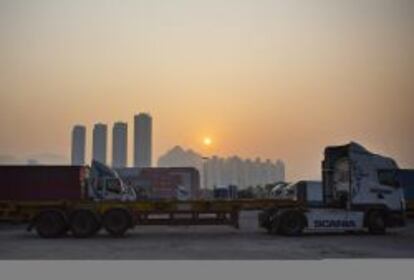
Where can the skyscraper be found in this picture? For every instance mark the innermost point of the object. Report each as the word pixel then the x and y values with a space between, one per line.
pixel 78 145
pixel 119 144
pixel 99 143
pixel 142 140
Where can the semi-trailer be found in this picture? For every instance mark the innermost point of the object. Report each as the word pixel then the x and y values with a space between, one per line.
pixel 353 198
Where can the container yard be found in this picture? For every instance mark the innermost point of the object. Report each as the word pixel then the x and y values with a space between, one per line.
pixel 93 212
pixel 347 202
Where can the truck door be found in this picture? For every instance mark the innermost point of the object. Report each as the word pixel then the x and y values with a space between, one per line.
pixel 342 183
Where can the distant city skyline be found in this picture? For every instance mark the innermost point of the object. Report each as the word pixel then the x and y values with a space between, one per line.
pixel 118 157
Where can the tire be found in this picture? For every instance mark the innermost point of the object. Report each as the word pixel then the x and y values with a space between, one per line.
pixel 376 222
pixel 273 227
pixel 50 224
pixel 84 223
pixel 117 221
pixel 264 222
pixel 291 223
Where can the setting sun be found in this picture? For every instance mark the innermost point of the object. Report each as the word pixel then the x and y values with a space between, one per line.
pixel 207 141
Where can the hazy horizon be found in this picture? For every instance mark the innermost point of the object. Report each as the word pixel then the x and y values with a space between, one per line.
pixel 274 79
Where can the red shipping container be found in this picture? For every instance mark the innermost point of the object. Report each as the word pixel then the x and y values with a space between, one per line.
pixel 42 182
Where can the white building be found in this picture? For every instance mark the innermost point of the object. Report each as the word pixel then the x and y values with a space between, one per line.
pixel 78 145
pixel 257 177
pixel 218 171
pixel 99 142
pixel 142 140
pixel 280 170
pixel 119 144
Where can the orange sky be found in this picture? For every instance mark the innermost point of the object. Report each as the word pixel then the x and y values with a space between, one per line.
pixel 275 79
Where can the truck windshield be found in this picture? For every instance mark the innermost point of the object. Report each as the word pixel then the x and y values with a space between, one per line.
pixel 113 185
pixel 388 178
pixel 290 190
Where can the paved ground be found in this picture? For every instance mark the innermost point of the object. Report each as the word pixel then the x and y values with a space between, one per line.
pixel 208 242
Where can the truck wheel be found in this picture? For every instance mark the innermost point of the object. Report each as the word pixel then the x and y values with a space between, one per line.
pixel 273 227
pixel 117 221
pixel 84 223
pixel 50 224
pixel 376 222
pixel 291 223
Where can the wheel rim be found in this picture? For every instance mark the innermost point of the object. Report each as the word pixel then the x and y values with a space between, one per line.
pixel 116 222
pixel 292 224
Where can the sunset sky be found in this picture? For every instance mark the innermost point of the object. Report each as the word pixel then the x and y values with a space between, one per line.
pixel 275 79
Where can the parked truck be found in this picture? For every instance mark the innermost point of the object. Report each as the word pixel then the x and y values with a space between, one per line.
pixel 278 190
pixel 353 198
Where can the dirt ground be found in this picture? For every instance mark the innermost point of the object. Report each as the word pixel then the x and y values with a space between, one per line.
pixel 207 242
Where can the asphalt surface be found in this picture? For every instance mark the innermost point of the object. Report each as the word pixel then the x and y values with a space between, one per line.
pixel 207 242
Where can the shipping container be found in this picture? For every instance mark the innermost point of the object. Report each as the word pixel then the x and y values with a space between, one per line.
pixel 42 182
pixel 162 183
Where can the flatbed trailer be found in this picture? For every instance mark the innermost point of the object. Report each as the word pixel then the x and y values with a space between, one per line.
pixel 85 218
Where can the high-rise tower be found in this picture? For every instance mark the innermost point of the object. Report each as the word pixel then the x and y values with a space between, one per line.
pixel 78 145
pixel 99 143
pixel 142 140
pixel 119 144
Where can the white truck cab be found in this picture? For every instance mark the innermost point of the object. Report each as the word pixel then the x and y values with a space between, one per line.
pixel 104 183
pixel 355 194
pixel 310 192
pixel 277 191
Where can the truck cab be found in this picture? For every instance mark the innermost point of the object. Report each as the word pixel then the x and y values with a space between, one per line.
pixel 289 192
pixel 354 196
pixel 104 183
pixel 354 180
pixel 278 190
pixel 309 192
